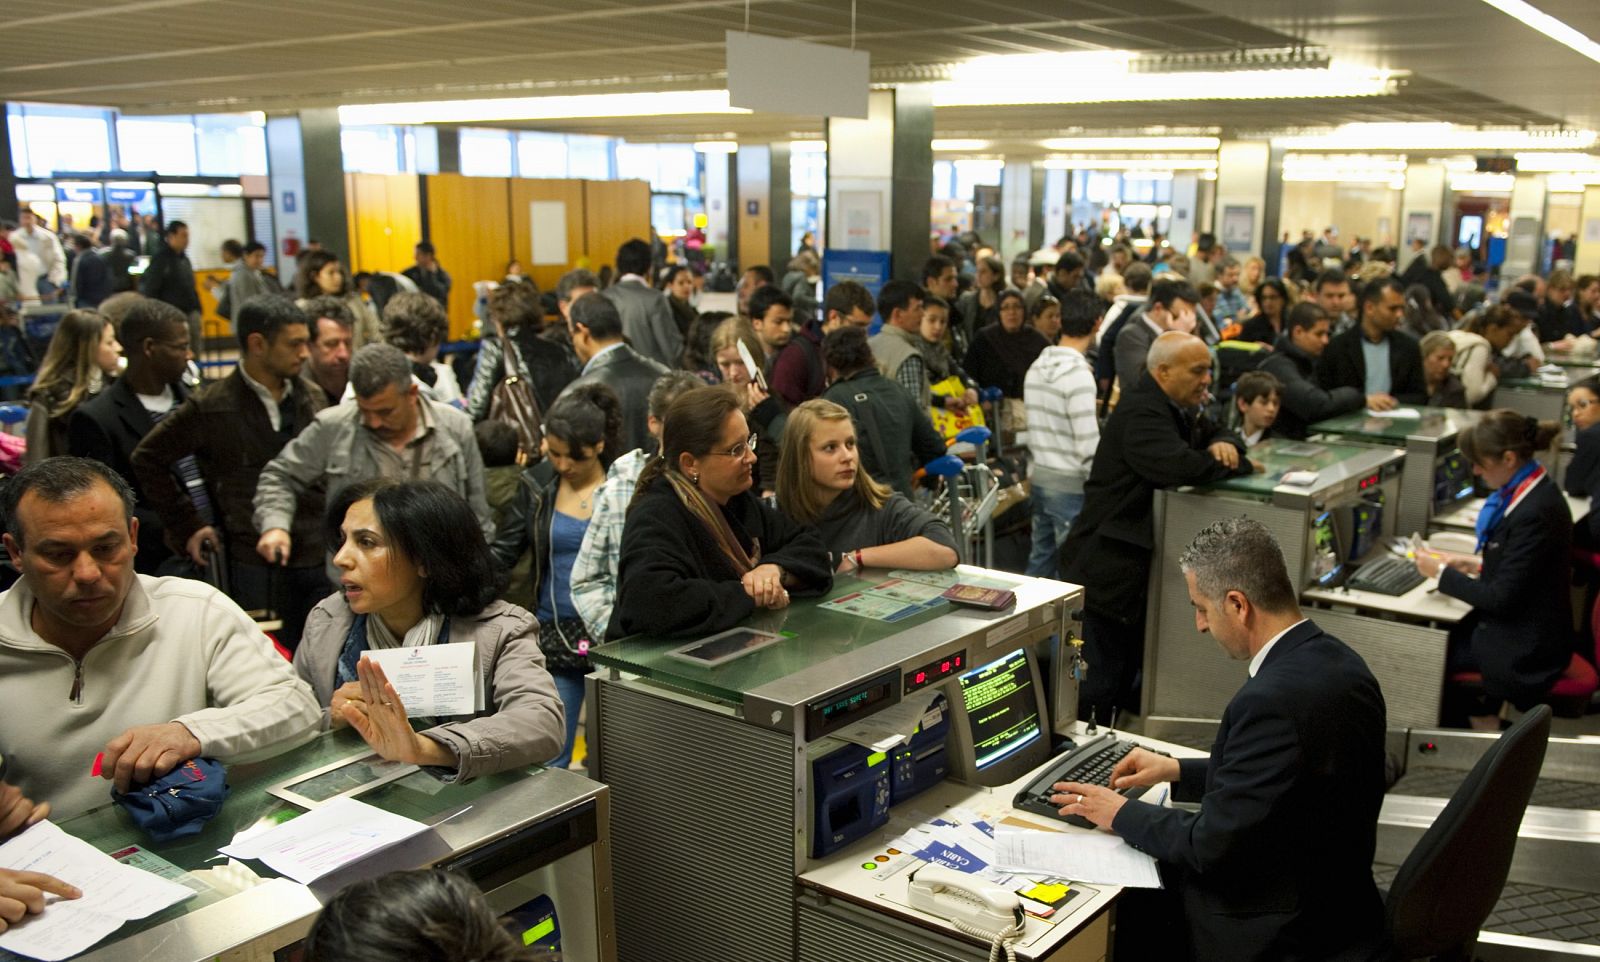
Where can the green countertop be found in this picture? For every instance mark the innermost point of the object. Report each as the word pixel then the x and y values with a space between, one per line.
pixel 1332 460
pixel 1434 424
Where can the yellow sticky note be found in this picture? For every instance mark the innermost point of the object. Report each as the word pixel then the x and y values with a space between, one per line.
pixel 1047 892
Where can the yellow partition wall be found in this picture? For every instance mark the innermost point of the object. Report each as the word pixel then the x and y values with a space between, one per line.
pixel 384 213
pixel 469 222
pixel 526 193
pixel 614 211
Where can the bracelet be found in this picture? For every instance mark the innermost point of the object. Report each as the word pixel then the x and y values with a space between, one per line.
pixel 857 559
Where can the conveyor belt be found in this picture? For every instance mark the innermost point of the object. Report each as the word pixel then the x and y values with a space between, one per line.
pixel 1562 915
pixel 1548 792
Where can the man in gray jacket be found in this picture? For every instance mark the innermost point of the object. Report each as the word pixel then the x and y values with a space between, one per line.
pixel 389 430
pixel 1171 308
pixel 646 316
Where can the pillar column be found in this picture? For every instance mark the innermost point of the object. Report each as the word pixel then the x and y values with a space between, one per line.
pixel 1185 207
pixel 753 213
pixel 780 200
pixel 449 149
pixel 880 178
pixel 305 163
pixel 1016 210
pixel 8 178
pixel 1240 210
pixel 719 218
pixel 1422 213
pixel 1525 226
pixel 1586 259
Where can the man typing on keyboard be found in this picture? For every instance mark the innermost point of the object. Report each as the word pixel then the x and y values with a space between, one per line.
pixel 1277 864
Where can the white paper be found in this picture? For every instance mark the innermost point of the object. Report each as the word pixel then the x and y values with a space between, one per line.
pixel 1078 856
pixel 1396 413
pixel 892 726
pixel 547 221
pixel 113 894
pixel 432 679
pixel 326 839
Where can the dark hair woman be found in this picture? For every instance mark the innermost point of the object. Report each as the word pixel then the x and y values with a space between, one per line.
pixel 1272 311
pixel 550 515
pixel 415 571
pixel 677 282
pixel 81 360
pixel 321 275
pixel 700 553
pixel 1583 471
pixel 1002 352
pixel 426 915
pixel 1519 635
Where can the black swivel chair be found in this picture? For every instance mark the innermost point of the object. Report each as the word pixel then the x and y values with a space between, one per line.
pixel 1452 879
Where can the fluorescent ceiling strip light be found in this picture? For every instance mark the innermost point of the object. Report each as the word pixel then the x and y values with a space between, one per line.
pixel 1430 136
pixel 1124 163
pixel 808 146
pixel 1131 143
pixel 1058 79
pixel 1541 163
pixel 957 143
pixel 656 104
pixel 1482 183
pixel 717 146
pixel 1556 30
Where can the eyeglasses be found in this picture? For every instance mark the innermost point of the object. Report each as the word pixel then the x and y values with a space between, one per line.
pixel 738 451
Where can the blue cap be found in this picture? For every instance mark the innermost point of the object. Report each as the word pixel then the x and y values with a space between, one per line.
pixel 179 803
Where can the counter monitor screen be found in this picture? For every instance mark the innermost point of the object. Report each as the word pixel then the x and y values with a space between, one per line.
pixel 1452 480
pixel 998 724
pixel 1326 560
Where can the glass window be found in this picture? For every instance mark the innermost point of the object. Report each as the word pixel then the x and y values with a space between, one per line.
pixel 18 132
pixel 541 154
pixel 676 168
pixel 422 150
pixel 590 157
pixel 230 145
pixel 808 174
pixel 485 153
pixel 371 150
pixel 60 141
pixel 165 145
pixel 972 174
pixel 636 162
pixel 944 180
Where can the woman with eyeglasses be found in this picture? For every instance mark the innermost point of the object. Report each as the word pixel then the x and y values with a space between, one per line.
pixel 761 410
pixel 1583 474
pixel 550 514
pixel 821 481
pixel 700 552
pixel 1272 303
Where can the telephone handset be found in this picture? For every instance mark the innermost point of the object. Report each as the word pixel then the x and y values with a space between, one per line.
pixel 976 907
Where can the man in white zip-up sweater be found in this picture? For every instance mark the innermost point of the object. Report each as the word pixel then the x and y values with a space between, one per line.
pixel 96 659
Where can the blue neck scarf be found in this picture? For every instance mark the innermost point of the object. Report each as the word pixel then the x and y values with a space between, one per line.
pixel 355 645
pixel 1494 507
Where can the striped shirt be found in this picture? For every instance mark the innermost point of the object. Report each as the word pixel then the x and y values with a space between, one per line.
pixel 1059 396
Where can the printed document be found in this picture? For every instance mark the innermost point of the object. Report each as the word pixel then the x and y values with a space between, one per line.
pixel 1079 856
pixel 432 680
pixel 325 839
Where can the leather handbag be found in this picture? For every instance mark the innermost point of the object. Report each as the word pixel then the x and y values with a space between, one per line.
pixel 514 402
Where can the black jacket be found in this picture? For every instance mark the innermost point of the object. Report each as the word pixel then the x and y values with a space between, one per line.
pixel 673 580
pixel 549 366
pixel 1421 272
pixel 170 278
pixel 1583 474
pixel 1521 619
pixel 1259 329
pixel 1343 365
pixel 92 282
pixel 1277 864
pixel 108 429
pixel 631 375
pixel 1305 402
pixel 894 436
pixel 1147 443
pixel 226 429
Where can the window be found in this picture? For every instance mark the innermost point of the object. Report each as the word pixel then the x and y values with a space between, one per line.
pixel 371 150
pixel 485 153
pixel 541 154
pixel 808 174
pixel 972 174
pixel 60 138
pixel 165 145
pixel 230 145
pixel 590 158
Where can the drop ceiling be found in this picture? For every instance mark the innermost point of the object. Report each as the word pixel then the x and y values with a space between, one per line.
pixel 1464 61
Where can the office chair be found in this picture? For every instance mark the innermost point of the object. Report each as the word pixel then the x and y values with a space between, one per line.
pixel 1452 879
pixel 1569 695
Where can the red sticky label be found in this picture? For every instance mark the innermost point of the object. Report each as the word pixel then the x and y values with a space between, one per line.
pixel 94 771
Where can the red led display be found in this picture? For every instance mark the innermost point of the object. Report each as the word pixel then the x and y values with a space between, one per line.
pixel 935 672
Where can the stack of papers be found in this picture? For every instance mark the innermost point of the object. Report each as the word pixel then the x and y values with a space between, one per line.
pixel 113 894
pixel 1093 857
pixel 326 839
pixel 893 726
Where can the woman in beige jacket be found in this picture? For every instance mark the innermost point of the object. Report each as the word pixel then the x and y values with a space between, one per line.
pixel 415 570
pixel 1478 347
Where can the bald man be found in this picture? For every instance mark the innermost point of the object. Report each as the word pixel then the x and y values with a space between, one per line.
pixel 1153 439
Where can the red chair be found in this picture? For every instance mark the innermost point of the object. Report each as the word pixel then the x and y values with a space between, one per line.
pixel 1569 696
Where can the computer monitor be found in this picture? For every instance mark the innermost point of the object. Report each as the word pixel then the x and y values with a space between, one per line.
pixel 1452 480
pixel 998 723
pixel 1366 527
pixel 1327 558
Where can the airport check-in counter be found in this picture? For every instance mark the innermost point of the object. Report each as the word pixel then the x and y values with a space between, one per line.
pixel 1543 396
pixel 729 841
pixel 1319 526
pixel 1435 475
pixel 534 840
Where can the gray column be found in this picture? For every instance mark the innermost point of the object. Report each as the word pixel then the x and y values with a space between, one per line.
pixel 1272 206
pixel 780 202
pixel 8 178
pixel 449 149
pixel 326 218
pixel 913 179
pixel 1036 212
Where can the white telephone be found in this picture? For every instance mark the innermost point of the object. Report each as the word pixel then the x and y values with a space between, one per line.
pixel 976 907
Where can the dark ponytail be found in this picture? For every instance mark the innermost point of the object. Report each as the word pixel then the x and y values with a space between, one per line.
pixel 1505 430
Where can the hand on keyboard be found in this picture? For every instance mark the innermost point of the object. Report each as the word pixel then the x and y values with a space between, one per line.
pixel 1141 767
pixel 1095 803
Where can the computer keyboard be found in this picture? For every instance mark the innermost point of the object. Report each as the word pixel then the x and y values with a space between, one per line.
pixel 1090 764
pixel 1388 575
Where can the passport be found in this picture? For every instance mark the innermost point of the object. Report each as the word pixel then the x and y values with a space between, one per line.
pixel 991 599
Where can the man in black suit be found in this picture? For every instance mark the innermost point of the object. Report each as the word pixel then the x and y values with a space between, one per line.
pixel 1397 377
pixel 596 328
pixel 155 338
pixel 1153 440
pixel 1277 864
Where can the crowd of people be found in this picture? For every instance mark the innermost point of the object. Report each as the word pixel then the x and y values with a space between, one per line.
pixel 617 462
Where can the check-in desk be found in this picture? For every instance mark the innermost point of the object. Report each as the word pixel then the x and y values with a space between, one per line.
pixel 1435 474
pixel 522 836
pixel 711 778
pixel 1463 517
pixel 1543 397
pixel 1184 679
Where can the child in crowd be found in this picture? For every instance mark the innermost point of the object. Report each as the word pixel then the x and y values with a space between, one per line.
pixel 1256 397
pixel 497 444
pixel 941 366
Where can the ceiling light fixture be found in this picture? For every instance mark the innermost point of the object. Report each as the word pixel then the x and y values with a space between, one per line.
pixel 656 104
pixel 958 143
pixel 1436 136
pixel 1058 78
pixel 1130 163
pixel 808 146
pixel 1527 13
pixel 716 146
pixel 1482 183
pixel 1540 163
pixel 1131 143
